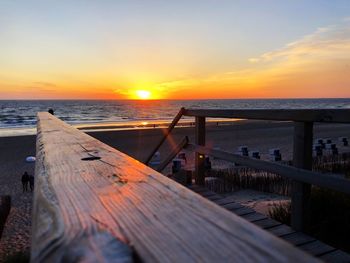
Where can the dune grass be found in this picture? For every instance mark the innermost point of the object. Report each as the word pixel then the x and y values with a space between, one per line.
pixel 329 211
pixel 233 179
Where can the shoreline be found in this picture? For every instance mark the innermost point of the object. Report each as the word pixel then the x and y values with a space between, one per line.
pixel 118 126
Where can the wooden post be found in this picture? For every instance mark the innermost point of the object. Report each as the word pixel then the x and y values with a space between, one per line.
pixel 302 158
pixel 200 140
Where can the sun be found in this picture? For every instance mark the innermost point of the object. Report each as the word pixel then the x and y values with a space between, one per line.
pixel 143 94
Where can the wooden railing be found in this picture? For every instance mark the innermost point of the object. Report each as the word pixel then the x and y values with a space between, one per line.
pixel 302 177
pixel 93 203
pixel 301 115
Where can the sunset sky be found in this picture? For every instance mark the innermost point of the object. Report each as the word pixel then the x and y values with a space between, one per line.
pixel 72 49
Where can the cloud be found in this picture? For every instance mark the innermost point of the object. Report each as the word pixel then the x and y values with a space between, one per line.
pixel 39 86
pixel 254 60
pixel 45 84
pixel 326 42
pixel 122 91
pixel 316 65
pixel 39 89
pixel 313 66
pixel 178 84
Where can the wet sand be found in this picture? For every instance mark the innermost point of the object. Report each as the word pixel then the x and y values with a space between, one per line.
pixel 257 135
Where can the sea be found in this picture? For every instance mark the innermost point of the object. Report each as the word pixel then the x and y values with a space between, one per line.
pixel 15 114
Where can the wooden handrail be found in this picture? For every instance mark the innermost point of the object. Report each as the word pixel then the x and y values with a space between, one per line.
pixel 167 132
pixel 303 133
pixel 94 203
pixel 302 115
pixel 323 180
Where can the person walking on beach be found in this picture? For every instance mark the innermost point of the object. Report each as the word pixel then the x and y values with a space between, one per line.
pixel 25 180
pixel 31 182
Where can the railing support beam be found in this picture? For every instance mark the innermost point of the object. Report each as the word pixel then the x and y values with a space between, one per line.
pixel 200 158
pixel 173 154
pixel 166 134
pixel 302 158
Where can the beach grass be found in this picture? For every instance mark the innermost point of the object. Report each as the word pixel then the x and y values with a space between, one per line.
pixel 329 211
pixel 241 177
pixel 281 212
pixel 338 164
pixel 233 179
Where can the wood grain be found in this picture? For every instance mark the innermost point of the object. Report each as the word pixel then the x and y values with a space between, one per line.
pixel 92 209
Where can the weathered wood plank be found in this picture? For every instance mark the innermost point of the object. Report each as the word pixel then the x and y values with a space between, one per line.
pixel 324 180
pixel 305 242
pixel 317 248
pixel 232 206
pixel 224 201
pixel 298 238
pixel 303 115
pixel 267 223
pixel 336 256
pixel 199 158
pixel 87 191
pixel 252 217
pixel 281 230
pixel 242 211
pixel 302 158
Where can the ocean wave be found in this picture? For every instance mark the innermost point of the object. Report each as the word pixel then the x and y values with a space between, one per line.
pixel 23 113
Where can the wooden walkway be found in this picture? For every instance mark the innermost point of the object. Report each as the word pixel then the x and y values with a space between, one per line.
pixel 298 239
pixel 300 173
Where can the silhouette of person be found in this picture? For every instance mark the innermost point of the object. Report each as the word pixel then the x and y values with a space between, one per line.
pixel 25 180
pixel 31 182
pixel 51 111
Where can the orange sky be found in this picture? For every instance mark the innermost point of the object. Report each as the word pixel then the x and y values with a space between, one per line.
pixel 177 61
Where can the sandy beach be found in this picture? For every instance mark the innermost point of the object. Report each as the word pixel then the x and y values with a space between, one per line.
pixel 257 135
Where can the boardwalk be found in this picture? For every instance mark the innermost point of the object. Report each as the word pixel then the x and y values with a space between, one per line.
pixel 296 238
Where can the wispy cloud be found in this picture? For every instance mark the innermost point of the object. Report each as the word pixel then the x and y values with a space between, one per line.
pixel 326 42
pixel 315 65
pixel 45 84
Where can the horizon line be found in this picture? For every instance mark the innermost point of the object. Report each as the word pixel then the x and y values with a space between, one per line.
pixel 101 99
